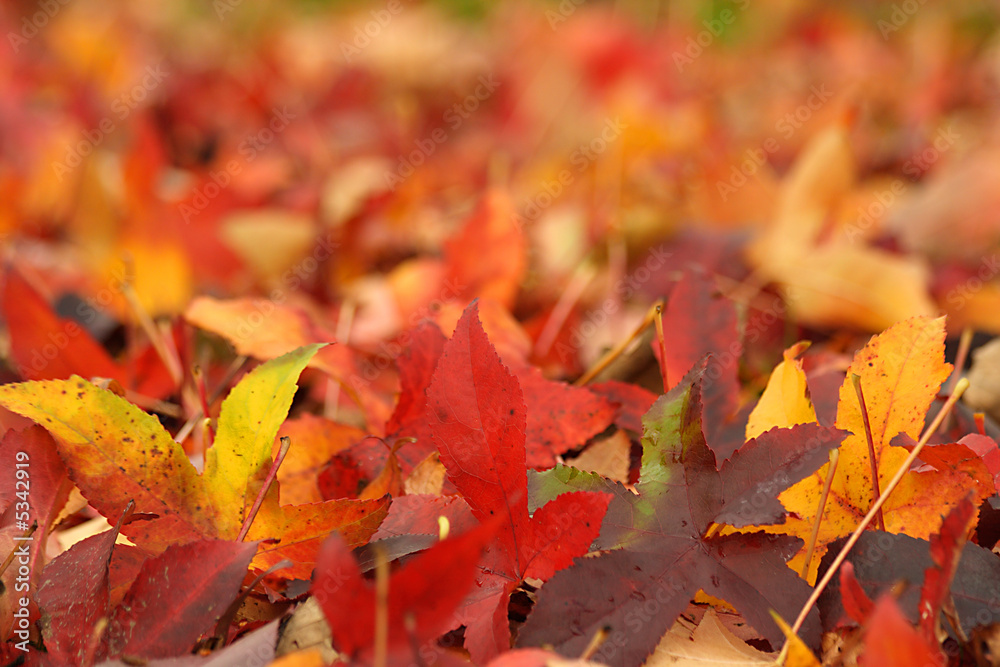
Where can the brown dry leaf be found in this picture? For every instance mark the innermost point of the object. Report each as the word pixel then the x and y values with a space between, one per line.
pixel 984 379
pixel 608 457
pixel 427 478
pixel 307 630
pixel 710 645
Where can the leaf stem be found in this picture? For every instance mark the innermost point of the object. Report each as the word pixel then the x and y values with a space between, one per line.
pixel 658 321
pixel 199 382
pixel 964 344
pixel 876 493
pixel 582 277
pixel 231 372
pixel 827 484
pixel 222 626
pixel 286 442
pixel 617 350
pixel 595 643
pixel 381 608
pixel 156 338
pixel 960 388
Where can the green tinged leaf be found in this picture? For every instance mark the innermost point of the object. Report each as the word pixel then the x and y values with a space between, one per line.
pixel 546 485
pixel 115 452
pixel 249 419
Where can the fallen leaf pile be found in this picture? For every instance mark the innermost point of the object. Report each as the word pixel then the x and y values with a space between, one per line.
pixel 505 334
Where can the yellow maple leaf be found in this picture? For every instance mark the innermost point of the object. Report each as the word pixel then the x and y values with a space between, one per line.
pixel 118 452
pixel 901 371
pixel 785 401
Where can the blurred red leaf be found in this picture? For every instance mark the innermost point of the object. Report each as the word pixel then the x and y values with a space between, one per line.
pixel 486 258
pixel 632 402
pixel 890 640
pixel 946 552
pixel 45 346
pixel 857 604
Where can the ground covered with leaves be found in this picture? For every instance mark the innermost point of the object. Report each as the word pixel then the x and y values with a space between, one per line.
pixel 510 334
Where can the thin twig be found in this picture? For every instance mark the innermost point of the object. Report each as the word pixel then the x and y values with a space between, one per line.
pixel 192 421
pixel 964 344
pixel 960 388
pixel 172 363
pixel 564 306
pixel 658 321
pixel 856 381
pixel 827 485
pixel 617 350
pixel 381 608
pixel 286 442
pixel 199 382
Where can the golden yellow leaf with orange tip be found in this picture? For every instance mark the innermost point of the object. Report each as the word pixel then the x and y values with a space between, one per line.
pixel 785 401
pixel 797 654
pixel 118 453
pixel 901 371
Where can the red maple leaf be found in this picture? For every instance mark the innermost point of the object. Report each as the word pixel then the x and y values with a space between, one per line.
pixel 477 417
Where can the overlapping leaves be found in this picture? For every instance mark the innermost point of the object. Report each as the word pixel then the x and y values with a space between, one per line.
pixel 660 544
pixel 116 452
